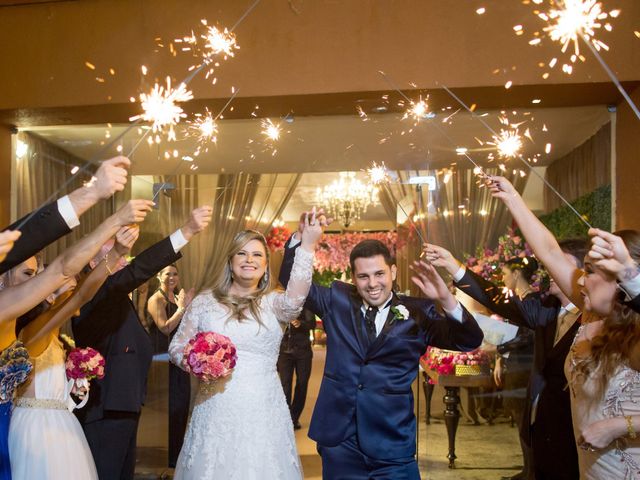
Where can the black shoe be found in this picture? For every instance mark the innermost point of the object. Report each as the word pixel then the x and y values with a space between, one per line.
pixel 297 426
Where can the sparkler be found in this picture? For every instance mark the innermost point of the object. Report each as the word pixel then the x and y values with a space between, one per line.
pixel 575 19
pixel 508 143
pixel 161 109
pixel 205 128
pixel 544 180
pixel 417 110
pixel 270 130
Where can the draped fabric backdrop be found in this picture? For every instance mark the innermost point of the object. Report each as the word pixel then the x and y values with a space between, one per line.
pixel 581 171
pixel 239 201
pixel 459 214
pixel 42 172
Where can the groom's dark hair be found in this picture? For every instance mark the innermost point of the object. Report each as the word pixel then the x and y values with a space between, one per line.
pixel 370 248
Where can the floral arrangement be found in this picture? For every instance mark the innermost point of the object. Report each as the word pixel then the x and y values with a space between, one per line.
pixel 15 367
pixel 488 263
pixel 445 361
pixel 82 366
pixel 333 252
pixel 209 356
pixel 277 237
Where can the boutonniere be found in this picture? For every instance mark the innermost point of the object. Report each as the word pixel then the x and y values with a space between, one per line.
pixel 400 312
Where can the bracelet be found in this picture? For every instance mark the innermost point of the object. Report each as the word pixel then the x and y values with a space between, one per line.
pixel 631 432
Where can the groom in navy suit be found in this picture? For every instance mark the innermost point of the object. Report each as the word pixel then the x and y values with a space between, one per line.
pixel 363 421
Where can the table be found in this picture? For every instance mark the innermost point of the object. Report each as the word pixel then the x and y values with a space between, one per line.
pixel 452 384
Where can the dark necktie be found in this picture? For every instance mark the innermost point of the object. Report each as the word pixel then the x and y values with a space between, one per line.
pixel 370 323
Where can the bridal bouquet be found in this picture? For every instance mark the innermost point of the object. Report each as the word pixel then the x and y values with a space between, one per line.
pixel 209 356
pixel 82 366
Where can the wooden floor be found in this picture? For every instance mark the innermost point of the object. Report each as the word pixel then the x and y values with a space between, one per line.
pixel 484 451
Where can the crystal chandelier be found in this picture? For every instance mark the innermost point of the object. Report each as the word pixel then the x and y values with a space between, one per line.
pixel 347 198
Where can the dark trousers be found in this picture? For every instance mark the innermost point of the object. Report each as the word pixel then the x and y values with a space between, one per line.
pixel 179 397
pixel 347 462
pixel 112 441
pixel 301 364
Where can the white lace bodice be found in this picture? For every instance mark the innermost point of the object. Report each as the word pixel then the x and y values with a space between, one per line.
pixel 240 428
pixel 49 376
pixel 621 398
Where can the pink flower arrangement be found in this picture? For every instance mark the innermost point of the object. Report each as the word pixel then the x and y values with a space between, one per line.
pixel 444 361
pixel 333 252
pixel 209 356
pixel 82 366
pixel 277 237
pixel 488 263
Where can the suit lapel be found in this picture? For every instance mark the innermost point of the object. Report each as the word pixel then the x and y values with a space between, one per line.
pixel 356 322
pixel 388 325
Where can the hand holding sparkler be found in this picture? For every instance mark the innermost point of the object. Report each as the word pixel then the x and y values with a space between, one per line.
pixel 134 211
pixel 198 221
pixel 441 257
pixel 501 188
pixel 7 238
pixel 111 177
pixel 609 252
pixel 432 285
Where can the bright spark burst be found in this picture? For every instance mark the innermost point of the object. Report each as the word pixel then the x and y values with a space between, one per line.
pixel 508 143
pixel 161 109
pixel 205 128
pixel 378 174
pixel 209 46
pixel 270 130
pixel 569 21
pixel 417 110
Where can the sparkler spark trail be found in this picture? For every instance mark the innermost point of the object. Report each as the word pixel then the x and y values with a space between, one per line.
pixel 161 109
pixel 508 143
pixel 205 128
pixel 270 130
pixel 417 110
pixel 577 18
pixel 531 169
pixel 378 174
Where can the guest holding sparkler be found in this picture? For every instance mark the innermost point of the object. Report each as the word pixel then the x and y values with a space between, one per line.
pixel 546 423
pixel 110 324
pixel 603 364
pixel 45 439
pixel 55 220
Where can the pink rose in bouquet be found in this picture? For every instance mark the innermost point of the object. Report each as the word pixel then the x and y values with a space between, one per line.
pixel 209 356
pixel 82 366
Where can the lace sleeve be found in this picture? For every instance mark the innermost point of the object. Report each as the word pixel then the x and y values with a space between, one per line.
pixel 288 305
pixel 189 326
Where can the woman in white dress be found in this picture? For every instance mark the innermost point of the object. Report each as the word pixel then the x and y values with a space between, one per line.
pixel 240 427
pixel 603 366
pixel 46 441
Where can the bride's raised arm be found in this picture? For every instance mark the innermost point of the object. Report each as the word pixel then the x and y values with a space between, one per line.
pixel 288 305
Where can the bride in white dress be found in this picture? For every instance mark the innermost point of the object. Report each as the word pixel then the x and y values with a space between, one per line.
pixel 240 428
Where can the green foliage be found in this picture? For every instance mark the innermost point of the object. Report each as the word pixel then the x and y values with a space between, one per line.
pixel 595 206
pixel 326 277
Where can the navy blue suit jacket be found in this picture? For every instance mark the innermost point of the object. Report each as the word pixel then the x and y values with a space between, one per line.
pixel 109 323
pixel 44 227
pixel 366 391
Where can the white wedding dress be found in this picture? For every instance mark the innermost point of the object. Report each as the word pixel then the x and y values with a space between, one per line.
pixel 46 441
pixel 241 428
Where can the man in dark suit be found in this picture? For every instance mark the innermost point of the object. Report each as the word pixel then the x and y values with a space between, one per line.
pixel 296 355
pixel 363 420
pixel 109 323
pixel 57 219
pixel 547 427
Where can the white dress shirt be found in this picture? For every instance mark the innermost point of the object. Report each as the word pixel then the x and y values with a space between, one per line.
pixel 67 212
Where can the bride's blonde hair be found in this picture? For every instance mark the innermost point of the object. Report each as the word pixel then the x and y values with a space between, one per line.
pixel 224 279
